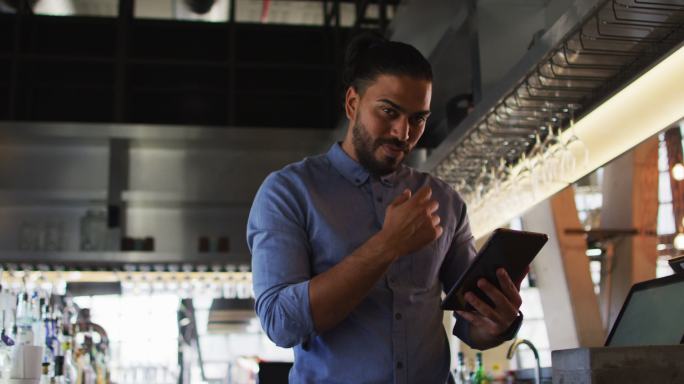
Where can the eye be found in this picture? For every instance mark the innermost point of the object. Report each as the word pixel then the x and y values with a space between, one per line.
pixel 419 119
pixel 389 111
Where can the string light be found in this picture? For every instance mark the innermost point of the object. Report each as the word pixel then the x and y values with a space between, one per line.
pixel 679 241
pixel 678 172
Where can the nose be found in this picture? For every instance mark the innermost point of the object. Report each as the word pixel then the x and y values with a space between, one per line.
pixel 400 129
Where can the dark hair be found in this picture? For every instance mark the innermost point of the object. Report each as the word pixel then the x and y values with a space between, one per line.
pixel 370 55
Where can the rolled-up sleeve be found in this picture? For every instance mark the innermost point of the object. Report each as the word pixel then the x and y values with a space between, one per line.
pixel 461 252
pixel 277 239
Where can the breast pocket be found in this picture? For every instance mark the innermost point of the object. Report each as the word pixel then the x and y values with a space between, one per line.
pixel 426 262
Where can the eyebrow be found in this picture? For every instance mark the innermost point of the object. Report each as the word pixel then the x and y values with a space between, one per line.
pixel 402 109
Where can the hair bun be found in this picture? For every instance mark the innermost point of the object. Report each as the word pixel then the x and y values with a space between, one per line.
pixel 356 49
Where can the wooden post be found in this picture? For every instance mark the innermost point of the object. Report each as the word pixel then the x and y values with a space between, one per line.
pixel 673 141
pixel 630 200
pixel 571 309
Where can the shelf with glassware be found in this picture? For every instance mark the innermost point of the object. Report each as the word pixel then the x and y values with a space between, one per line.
pixel 75 230
pixel 47 339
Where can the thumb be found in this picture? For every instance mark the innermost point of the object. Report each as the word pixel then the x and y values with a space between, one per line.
pixel 402 198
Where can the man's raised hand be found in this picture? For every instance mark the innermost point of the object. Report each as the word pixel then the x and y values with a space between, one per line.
pixel 411 222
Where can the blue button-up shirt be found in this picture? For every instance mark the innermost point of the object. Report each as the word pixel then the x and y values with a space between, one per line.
pixel 310 215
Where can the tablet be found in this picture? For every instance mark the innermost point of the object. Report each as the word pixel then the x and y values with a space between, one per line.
pixel 506 248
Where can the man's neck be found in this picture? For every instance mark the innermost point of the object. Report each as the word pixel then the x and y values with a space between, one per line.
pixel 348 148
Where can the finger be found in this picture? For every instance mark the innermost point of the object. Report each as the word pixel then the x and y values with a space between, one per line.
pixel 508 287
pixel 402 198
pixel 471 318
pixel 439 230
pixel 423 194
pixel 482 323
pixel 432 206
pixel 483 308
pixel 502 305
pixel 478 321
pixel 435 220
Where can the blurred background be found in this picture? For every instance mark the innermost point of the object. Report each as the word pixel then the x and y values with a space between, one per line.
pixel 135 133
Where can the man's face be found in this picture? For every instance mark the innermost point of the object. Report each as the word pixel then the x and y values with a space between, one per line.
pixel 388 120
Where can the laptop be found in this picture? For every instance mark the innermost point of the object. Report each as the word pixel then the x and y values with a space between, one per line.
pixel 653 314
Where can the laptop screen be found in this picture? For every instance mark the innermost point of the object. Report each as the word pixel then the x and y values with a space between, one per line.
pixel 653 314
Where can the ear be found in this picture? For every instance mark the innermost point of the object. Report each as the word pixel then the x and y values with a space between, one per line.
pixel 351 103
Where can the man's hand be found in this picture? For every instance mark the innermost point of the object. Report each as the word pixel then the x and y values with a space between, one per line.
pixel 489 323
pixel 411 222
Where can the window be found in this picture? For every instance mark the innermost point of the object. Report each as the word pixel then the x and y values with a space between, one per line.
pixel 143 335
pixel 666 226
pixel 533 328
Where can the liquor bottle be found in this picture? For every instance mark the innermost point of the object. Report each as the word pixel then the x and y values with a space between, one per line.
pixel 69 369
pixel 479 377
pixel 23 316
pixel 86 371
pixel 84 362
pixel 45 376
pixel 58 378
pixel 24 321
pixel 100 369
pixel 37 324
pixel 462 375
pixel 48 335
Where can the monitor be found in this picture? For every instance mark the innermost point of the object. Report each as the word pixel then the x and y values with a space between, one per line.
pixel 677 264
pixel 653 314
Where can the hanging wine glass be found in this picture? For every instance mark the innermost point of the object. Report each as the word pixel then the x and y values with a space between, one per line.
pixel 569 159
pixel 482 185
pixel 523 183
pixel 462 188
pixel 551 156
pixel 536 163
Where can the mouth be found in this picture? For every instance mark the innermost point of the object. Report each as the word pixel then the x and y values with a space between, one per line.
pixel 393 150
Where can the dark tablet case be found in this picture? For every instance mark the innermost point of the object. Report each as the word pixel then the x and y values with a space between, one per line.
pixel 510 249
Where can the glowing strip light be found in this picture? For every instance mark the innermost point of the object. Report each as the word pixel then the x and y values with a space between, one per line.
pixel 643 108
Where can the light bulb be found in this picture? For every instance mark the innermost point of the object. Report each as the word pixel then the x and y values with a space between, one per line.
pixel 679 241
pixel 678 172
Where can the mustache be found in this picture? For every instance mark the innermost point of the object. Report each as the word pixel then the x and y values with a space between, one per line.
pixel 394 142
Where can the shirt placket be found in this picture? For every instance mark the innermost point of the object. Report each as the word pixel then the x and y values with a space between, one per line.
pixel 381 198
pixel 399 342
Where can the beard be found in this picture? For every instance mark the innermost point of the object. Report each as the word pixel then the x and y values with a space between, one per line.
pixel 365 148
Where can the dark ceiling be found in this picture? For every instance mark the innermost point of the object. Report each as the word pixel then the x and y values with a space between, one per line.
pixel 130 70
pixel 126 69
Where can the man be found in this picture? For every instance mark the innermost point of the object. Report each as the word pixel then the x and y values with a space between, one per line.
pixel 351 250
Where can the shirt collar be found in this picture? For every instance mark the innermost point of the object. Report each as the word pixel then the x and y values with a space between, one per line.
pixel 391 179
pixel 352 170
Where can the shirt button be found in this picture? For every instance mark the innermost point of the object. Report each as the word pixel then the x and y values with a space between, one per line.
pixel 397 316
pixel 400 365
pixel 379 199
pixel 391 280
